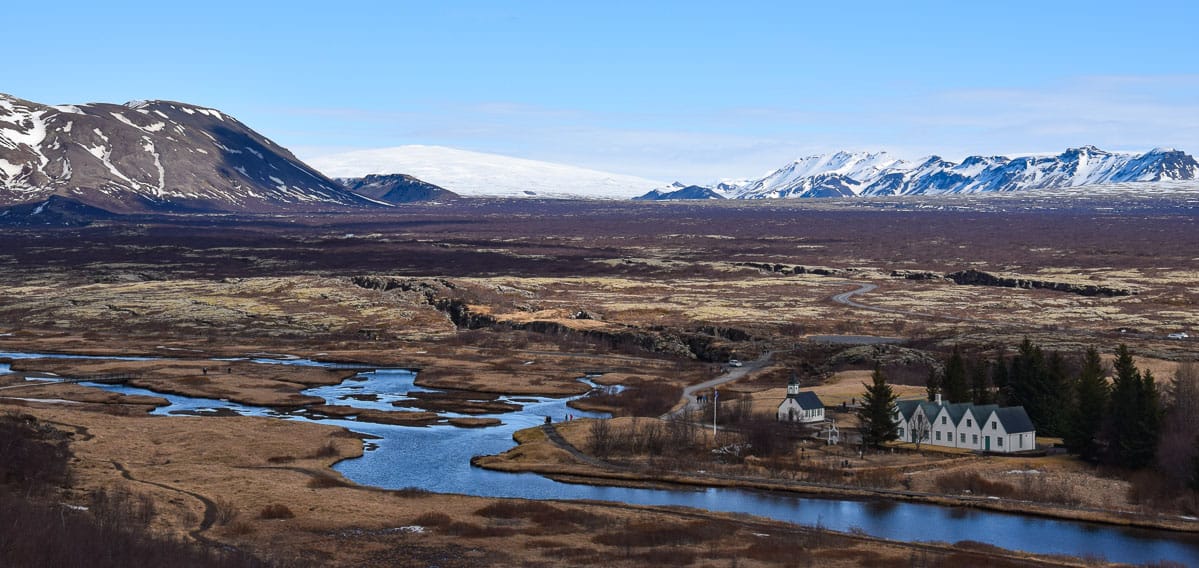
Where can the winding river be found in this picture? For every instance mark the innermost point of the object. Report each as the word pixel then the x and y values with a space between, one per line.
pixel 437 458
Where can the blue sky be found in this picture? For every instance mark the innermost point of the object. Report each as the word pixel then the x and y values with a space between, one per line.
pixel 688 90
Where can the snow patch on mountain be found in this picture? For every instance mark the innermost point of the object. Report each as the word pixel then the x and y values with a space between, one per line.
pixel 845 174
pixel 477 174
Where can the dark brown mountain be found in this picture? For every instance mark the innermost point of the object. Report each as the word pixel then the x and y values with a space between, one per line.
pixel 397 188
pixel 155 156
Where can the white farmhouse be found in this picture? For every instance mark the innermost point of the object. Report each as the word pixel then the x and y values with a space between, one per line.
pixel 800 406
pixel 987 428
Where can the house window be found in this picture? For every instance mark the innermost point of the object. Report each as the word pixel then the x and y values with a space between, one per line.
pixel 901 432
pixel 976 438
pixel 938 435
pixel 1021 440
pixel 963 440
pixel 994 425
pixel 942 419
pixel 969 423
pixel 999 442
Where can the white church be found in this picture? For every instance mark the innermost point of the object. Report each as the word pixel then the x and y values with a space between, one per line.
pixel 800 406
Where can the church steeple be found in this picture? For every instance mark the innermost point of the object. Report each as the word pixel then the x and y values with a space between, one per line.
pixel 793 385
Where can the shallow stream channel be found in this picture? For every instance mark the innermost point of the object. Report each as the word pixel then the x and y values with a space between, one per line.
pixel 437 458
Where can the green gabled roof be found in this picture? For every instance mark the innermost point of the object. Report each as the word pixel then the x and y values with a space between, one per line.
pixel 957 410
pixel 907 407
pixel 982 412
pixel 931 409
pixel 1014 419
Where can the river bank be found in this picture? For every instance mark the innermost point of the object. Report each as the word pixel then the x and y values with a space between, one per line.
pixel 438 459
pixel 537 453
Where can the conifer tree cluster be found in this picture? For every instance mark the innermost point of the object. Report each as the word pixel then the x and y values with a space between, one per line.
pixel 1070 396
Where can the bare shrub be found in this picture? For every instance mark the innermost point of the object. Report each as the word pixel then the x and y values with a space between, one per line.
pixel 226 511
pixel 645 399
pixel 280 459
pixel 471 530
pixel 1180 428
pixel 276 511
pixel 544 514
pixel 329 450
pixel 50 535
pixel 241 528
pixel 647 534
pixel 768 437
pixel 599 440
pixel 34 457
pixel 962 482
pixel 432 519
pixel 324 480
pixel 119 506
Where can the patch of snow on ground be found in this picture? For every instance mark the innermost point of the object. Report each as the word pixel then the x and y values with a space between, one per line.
pixel 148 146
pixel 9 169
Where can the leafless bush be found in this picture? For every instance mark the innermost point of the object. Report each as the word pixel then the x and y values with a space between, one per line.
pixel 324 480
pixel 276 511
pixel 543 514
pixel 49 535
pixel 432 519
pixel 226 511
pixel 1180 428
pixel 972 482
pixel 121 507
pixel 328 450
pixel 34 457
pixel 646 534
pixel 599 441
pixel 645 399
pixel 768 437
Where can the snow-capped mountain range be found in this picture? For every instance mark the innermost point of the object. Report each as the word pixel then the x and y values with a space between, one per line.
pixel 153 156
pixel 163 156
pixel 845 174
pixel 476 174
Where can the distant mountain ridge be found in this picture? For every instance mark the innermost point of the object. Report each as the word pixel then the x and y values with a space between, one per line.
pixel 153 156
pixel 845 174
pixel 677 191
pixel 396 188
pixel 478 174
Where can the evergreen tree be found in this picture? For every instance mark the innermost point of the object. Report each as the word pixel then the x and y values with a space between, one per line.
pixel 980 386
pixel 1054 395
pixel 933 385
pixel 1089 409
pixel 877 412
pixel 955 385
pixel 1134 415
pixel 1025 377
pixel 999 377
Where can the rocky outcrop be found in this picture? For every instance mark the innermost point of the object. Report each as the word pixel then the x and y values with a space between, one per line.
pixel 915 275
pixel 979 278
pixel 707 343
pixel 797 269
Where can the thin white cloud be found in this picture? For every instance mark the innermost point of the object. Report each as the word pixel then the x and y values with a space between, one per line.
pixel 1113 112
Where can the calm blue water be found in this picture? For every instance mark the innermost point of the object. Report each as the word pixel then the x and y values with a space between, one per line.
pixel 437 458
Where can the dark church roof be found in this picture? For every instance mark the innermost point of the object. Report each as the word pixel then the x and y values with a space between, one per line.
pixel 807 400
